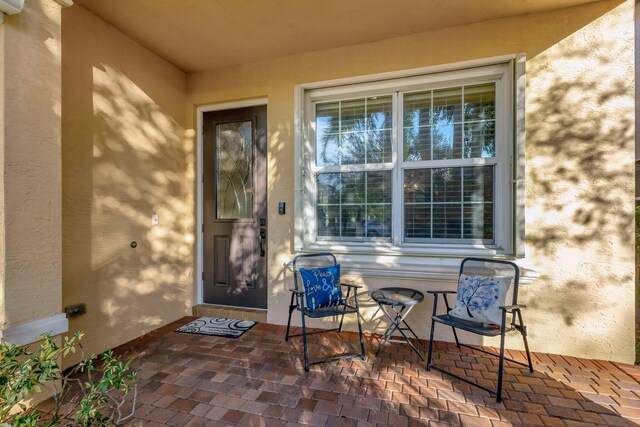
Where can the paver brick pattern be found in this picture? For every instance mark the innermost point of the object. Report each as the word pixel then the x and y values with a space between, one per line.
pixel 259 380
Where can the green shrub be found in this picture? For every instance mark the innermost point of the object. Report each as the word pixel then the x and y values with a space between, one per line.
pixel 93 392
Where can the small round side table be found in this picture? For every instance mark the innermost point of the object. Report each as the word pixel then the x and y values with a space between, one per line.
pixel 396 303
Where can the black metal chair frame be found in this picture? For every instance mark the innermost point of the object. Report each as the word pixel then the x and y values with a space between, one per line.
pixel 516 323
pixel 298 302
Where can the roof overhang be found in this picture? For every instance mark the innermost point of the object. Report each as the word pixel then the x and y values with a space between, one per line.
pixel 197 35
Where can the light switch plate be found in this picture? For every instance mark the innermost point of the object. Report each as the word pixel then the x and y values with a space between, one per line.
pixel 155 219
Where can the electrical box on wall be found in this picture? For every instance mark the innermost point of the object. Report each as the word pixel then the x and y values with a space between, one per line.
pixel 75 310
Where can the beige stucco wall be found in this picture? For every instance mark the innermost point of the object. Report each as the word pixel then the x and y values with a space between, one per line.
pixel 579 160
pixel 30 223
pixel 580 194
pixel 123 160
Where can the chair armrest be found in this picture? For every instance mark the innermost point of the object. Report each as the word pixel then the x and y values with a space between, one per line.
pixel 295 291
pixel 512 307
pixel 442 292
pixel 349 285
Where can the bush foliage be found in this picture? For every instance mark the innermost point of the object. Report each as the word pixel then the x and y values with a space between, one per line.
pixel 97 391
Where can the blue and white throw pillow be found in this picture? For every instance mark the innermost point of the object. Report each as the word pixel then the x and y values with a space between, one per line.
pixel 322 286
pixel 479 298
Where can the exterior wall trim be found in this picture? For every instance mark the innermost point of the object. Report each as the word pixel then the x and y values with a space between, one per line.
pixel 64 3
pixel 27 333
pixel 10 7
pixel 300 119
pixel 502 68
pixel 411 72
pixel 519 142
pixel 200 110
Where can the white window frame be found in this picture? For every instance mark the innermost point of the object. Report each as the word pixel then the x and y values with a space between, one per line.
pixel 501 70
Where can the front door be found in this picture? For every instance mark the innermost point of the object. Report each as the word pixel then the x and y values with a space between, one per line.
pixel 235 207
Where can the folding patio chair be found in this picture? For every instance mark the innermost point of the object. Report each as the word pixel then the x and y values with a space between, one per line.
pixel 492 269
pixel 339 307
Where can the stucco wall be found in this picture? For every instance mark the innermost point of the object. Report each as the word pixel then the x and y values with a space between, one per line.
pixel 30 223
pixel 579 160
pixel 123 160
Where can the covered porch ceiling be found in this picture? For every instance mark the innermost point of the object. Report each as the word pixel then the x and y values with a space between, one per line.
pixel 197 35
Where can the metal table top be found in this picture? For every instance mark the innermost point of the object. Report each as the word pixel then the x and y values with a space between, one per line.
pixel 397 296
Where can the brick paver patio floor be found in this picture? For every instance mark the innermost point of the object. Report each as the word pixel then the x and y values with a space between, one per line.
pixel 258 379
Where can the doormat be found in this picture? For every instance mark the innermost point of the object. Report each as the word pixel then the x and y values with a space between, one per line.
pixel 217 326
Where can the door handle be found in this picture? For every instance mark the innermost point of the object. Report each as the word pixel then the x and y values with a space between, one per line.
pixel 261 238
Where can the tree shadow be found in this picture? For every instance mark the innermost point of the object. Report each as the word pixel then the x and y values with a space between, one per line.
pixel 124 158
pixel 579 188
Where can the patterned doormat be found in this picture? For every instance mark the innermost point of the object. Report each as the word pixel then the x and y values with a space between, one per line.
pixel 217 326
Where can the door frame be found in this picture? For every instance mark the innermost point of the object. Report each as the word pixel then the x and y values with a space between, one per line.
pixel 255 102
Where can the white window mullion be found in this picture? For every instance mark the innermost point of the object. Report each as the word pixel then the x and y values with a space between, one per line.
pixel 462 196
pixel 431 130
pixel 366 134
pixel 366 194
pixel 353 168
pixel 431 204
pixel 462 123
pixel 462 130
pixel 340 136
pixel 454 163
pixel 309 184
pixel 397 195
pixel 340 211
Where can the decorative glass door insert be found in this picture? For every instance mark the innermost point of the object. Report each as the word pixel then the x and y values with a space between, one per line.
pixel 234 170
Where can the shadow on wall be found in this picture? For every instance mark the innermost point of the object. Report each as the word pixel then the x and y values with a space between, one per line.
pixel 133 168
pixel 579 175
pixel 278 148
pixel 580 142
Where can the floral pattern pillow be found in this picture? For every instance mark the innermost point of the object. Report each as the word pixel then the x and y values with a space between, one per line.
pixel 479 298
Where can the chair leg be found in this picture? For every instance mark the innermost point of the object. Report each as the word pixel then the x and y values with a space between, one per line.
pixel 291 308
pixel 343 310
pixel 433 325
pixel 304 342
pixel 455 336
pixel 523 331
pixel 501 362
pixel 341 321
pixel 363 357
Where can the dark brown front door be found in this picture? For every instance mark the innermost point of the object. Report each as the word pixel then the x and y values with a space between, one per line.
pixel 235 207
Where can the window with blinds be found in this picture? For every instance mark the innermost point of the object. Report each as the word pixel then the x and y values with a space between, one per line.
pixel 354 139
pixel 455 125
pixel 421 162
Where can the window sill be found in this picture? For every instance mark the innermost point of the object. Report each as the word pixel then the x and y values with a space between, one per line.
pixel 436 263
pixel 407 249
